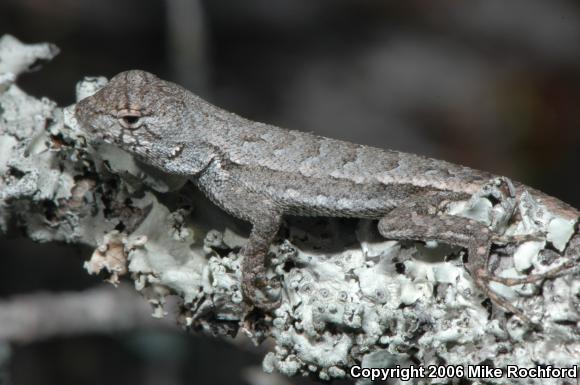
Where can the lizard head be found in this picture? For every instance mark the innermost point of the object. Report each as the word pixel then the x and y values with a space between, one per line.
pixel 133 111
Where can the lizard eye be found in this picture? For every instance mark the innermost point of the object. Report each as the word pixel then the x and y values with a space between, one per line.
pixel 130 119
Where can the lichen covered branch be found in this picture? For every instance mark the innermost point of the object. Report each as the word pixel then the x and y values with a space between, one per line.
pixel 348 296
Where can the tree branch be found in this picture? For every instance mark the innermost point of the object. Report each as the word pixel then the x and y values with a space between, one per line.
pixel 348 296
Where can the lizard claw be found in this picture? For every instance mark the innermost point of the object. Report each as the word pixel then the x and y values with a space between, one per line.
pixel 257 284
pixel 482 279
pixel 517 239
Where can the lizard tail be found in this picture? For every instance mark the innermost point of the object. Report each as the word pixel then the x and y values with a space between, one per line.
pixel 554 205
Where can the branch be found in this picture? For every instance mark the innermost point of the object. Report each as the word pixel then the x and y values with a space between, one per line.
pixel 348 296
pixel 34 317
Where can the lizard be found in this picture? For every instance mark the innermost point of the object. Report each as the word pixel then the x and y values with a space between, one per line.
pixel 260 173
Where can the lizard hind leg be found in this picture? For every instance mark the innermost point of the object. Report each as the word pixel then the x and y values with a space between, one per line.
pixel 413 222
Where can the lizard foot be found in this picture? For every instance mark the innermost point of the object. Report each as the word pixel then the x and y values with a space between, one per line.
pixel 482 279
pixel 531 278
pixel 261 284
pixel 517 239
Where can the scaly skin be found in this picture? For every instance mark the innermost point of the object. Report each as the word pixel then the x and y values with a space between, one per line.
pixel 259 173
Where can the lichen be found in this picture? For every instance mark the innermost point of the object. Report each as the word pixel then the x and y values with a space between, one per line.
pixel 347 296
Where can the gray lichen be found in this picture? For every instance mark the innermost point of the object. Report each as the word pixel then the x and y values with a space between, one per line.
pixel 348 296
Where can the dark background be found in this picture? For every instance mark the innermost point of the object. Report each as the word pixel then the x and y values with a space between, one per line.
pixel 491 84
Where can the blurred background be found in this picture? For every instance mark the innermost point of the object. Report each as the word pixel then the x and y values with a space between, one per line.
pixel 490 84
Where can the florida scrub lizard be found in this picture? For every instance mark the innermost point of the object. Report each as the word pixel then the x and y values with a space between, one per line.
pixel 259 173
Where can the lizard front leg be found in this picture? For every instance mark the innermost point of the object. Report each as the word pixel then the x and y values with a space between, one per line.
pixel 264 229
